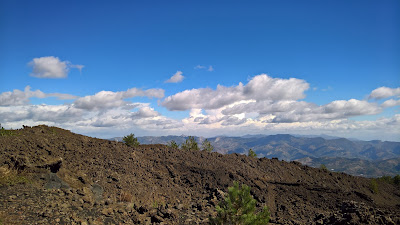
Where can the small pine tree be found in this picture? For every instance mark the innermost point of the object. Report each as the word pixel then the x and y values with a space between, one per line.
pixel 190 144
pixel 323 167
pixel 374 186
pixel 131 141
pixel 172 144
pixel 206 146
pixel 239 208
pixel 252 153
pixel 396 180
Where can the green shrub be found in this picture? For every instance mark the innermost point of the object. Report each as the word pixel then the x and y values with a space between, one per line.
pixel 396 180
pixel 239 207
pixel 172 144
pixel 374 186
pixel 131 141
pixel 4 132
pixel 390 180
pixel 12 177
pixel 252 153
pixel 386 179
pixel 323 167
pixel 206 146
pixel 190 144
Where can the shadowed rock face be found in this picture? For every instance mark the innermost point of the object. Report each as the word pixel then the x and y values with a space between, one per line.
pixel 77 179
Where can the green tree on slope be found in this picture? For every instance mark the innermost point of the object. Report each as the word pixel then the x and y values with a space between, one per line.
pixel 172 144
pixel 190 144
pixel 252 153
pixel 239 208
pixel 206 146
pixel 131 141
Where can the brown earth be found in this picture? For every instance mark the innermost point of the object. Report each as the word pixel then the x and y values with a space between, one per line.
pixel 52 176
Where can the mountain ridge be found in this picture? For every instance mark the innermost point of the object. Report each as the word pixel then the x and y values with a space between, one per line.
pixel 294 148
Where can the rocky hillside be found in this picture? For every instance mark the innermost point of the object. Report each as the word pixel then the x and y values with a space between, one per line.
pixel 52 176
pixel 354 157
pixel 288 147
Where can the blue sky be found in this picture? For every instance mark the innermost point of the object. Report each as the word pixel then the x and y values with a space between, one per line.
pixel 242 67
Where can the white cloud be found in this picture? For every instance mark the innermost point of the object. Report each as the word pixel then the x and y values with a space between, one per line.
pixel 300 111
pixel 176 78
pixel 261 87
pixel 267 107
pixel 18 97
pixel 264 105
pixel 209 68
pixel 51 67
pixel 390 103
pixel 79 67
pixel 335 110
pixel 199 67
pixel 108 99
pixel 145 112
pixel 101 100
pixel 41 113
pixel 384 92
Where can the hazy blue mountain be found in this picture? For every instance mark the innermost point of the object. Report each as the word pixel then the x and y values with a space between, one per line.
pixel 357 167
pixel 288 147
pixel 370 158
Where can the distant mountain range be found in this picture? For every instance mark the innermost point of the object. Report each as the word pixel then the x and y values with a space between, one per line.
pixel 356 157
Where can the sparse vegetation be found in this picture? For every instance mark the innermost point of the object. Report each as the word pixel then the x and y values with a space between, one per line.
pixel 374 186
pixel 239 208
pixel 172 144
pixel 11 178
pixel 396 180
pixel 131 141
pixel 190 144
pixel 323 167
pixel 206 146
pixel 391 180
pixel 252 153
pixel 4 132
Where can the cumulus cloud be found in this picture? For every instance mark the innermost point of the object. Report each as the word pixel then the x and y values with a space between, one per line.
pixel 300 111
pixel 267 107
pixel 176 78
pixel 51 67
pixel 261 87
pixel 264 104
pixel 145 112
pixel 108 99
pixel 390 103
pixel 54 113
pixel 18 97
pixel 41 113
pixel 335 110
pixel 384 92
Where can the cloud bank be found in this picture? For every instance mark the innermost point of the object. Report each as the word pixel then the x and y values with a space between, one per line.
pixel 264 105
pixel 261 87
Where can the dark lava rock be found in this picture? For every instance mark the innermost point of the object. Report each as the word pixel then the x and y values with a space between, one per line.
pixel 57 177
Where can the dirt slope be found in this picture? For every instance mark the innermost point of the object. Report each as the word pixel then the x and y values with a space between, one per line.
pixel 65 178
